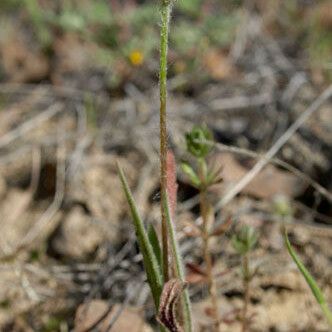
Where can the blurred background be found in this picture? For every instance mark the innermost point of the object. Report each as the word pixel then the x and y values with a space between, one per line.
pixel 117 41
pixel 79 92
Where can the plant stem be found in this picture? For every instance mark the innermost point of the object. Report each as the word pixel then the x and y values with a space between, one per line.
pixel 165 18
pixel 246 288
pixel 179 270
pixel 205 209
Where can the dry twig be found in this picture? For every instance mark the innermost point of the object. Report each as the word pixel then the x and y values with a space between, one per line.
pixel 275 148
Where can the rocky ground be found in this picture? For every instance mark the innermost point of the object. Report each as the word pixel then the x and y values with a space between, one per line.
pixel 67 245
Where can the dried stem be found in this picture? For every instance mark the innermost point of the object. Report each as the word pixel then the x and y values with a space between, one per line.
pixel 275 148
pixel 206 210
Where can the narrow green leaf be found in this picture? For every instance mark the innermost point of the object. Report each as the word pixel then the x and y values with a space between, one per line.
pixel 178 268
pixel 151 266
pixel 153 237
pixel 310 281
pixel 193 177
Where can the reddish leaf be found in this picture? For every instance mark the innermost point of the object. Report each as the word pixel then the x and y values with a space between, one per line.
pixel 196 274
pixel 196 269
pixel 172 186
pixel 222 229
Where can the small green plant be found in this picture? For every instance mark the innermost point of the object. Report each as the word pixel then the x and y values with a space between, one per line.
pixel 203 177
pixel 191 7
pixel 282 208
pixel 38 19
pixel 195 142
pixel 244 242
pixel 9 4
pixel 165 290
pixel 316 291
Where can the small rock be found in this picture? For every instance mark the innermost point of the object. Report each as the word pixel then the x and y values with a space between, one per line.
pixel 77 236
pixel 130 318
pixel 22 64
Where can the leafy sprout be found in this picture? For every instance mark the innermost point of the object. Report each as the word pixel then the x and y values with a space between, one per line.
pixel 245 241
pixel 198 141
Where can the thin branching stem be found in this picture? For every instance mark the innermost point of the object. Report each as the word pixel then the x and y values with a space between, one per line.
pixel 246 289
pixel 165 18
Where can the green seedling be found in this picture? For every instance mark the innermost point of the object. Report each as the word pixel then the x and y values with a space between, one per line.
pixel 195 140
pixel 199 145
pixel 191 7
pixel 38 18
pixel 245 240
pixel 282 208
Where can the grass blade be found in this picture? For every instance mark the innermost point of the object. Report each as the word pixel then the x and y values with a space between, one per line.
pixel 152 269
pixel 310 281
pixel 187 317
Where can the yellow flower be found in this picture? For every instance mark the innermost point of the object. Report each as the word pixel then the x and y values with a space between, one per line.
pixel 136 58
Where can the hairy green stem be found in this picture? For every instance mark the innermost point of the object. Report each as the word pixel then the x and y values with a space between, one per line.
pixel 179 270
pixel 165 11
